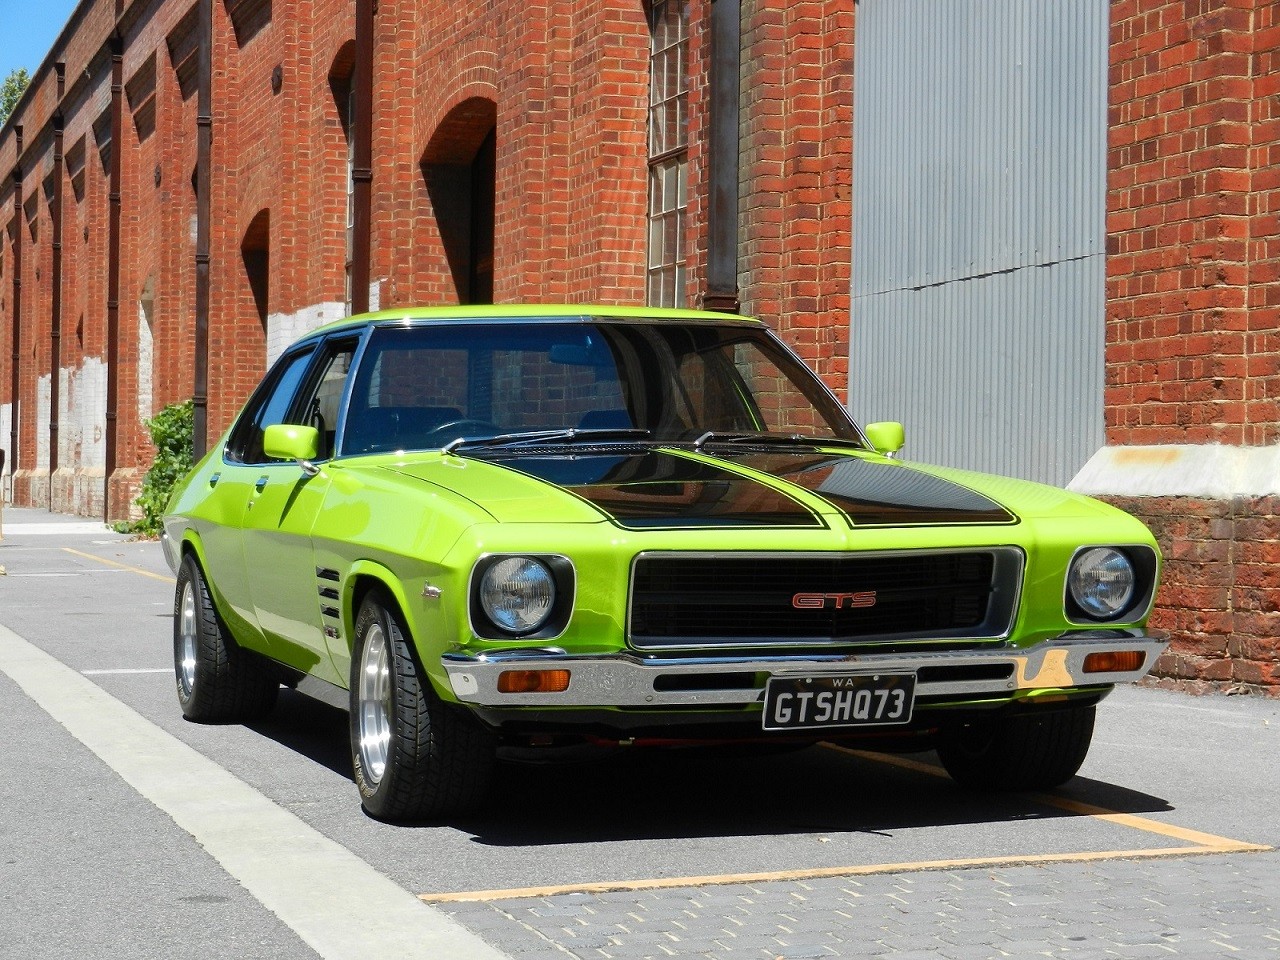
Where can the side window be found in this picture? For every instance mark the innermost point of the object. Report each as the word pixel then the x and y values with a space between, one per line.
pixel 323 402
pixel 268 406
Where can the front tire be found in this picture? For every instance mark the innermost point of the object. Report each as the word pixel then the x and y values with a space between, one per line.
pixel 217 681
pixel 1025 751
pixel 415 757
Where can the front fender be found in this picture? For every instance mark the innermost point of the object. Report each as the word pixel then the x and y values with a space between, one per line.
pixel 364 575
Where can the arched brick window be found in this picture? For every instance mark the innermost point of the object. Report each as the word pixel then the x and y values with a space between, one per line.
pixel 459 169
pixel 255 250
pixel 668 150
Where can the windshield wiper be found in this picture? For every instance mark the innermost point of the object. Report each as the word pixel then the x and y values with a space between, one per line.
pixel 566 435
pixel 789 440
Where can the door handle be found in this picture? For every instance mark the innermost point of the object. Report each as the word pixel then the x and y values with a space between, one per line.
pixel 213 480
pixel 262 482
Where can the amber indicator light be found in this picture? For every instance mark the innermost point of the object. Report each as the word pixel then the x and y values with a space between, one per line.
pixel 533 681
pixel 1114 661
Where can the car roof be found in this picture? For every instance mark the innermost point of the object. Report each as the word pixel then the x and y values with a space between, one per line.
pixel 540 311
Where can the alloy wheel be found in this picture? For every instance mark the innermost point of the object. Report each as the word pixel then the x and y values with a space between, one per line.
pixel 374 703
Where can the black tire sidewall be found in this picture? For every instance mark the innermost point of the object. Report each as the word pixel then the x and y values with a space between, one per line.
pixel 1011 752
pixel 189 574
pixel 378 609
pixel 228 685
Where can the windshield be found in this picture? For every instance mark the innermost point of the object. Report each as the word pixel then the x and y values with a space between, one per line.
pixel 425 386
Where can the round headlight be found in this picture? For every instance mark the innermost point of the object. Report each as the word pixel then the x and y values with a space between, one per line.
pixel 517 594
pixel 1101 582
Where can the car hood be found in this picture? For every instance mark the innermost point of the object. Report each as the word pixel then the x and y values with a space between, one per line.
pixel 668 488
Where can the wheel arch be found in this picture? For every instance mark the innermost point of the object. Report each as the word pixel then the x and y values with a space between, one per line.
pixel 192 546
pixel 364 577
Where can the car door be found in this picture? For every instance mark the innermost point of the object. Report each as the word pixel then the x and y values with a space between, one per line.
pixel 221 524
pixel 280 516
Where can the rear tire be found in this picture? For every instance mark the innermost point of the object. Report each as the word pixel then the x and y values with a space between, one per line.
pixel 1024 751
pixel 217 681
pixel 415 757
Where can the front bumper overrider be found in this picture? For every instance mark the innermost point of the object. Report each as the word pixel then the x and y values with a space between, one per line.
pixel 631 680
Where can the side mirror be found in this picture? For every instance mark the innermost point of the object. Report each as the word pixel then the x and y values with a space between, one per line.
pixel 887 436
pixel 291 441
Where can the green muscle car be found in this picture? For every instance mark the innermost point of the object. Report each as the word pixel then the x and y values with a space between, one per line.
pixel 502 529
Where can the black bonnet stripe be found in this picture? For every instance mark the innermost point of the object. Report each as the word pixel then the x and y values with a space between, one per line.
pixel 653 489
pixel 880 494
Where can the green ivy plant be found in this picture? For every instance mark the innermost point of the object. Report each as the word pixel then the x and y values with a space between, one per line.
pixel 171 432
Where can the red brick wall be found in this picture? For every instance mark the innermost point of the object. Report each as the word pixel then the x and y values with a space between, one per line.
pixel 1218 597
pixel 797 156
pixel 1193 309
pixel 1193 351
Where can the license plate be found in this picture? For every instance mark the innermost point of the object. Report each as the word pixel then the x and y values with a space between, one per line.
pixel 853 700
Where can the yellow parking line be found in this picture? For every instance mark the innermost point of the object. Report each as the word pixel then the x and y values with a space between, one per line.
pixel 818 873
pixel 1202 843
pixel 1209 841
pixel 122 566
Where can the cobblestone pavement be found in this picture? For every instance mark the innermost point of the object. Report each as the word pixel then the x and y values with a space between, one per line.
pixel 1200 906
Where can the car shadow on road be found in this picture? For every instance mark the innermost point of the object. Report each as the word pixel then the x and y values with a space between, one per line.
pixel 680 794
pixel 310 728
pixel 639 793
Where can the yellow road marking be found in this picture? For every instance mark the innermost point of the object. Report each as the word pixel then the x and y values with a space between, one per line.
pixel 1207 840
pixel 1202 843
pixel 818 873
pixel 122 566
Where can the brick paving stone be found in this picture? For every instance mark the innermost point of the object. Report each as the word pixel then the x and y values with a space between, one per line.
pixel 1139 936
pixel 1029 948
pixel 697 948
pixel 916 944
pixel 1142 951
pixel 965 927
pixel 805 952
pixel 557 911
pixel 1193 908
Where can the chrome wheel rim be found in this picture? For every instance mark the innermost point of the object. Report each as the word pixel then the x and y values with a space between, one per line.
pixel 187 640
pixel 374 704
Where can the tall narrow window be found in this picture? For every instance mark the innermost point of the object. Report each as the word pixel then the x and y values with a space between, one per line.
pixel 668 150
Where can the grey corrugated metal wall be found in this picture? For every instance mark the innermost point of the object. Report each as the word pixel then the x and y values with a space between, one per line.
pixel 979 230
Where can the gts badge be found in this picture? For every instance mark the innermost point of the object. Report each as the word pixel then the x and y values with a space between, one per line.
pixel 835 601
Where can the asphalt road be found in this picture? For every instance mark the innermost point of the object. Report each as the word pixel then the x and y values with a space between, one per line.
pixel 127 832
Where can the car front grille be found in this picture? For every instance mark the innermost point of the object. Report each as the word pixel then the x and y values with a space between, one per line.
pixel 695 600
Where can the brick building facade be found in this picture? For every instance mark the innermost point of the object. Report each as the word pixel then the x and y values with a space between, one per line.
pixel 508 152
pixel 1193 324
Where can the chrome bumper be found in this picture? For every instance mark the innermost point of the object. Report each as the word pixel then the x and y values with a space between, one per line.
pixel 628 680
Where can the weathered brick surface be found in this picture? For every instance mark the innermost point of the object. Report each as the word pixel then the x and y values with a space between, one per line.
pixel 1220 597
